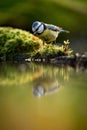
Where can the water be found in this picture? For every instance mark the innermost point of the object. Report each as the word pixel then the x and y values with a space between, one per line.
pixel 39 97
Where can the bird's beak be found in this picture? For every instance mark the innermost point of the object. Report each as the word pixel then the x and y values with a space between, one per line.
pixel 34 33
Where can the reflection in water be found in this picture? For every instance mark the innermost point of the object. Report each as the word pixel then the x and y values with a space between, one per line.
pixel 40 90
pixel 22 73
pixel 46 83
pixel 63 108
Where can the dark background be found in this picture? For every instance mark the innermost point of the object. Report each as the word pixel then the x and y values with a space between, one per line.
pixel 68 14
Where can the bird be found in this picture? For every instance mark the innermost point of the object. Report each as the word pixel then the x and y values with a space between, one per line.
pixel 47 32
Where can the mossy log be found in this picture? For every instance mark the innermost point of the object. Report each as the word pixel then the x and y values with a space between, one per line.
pixel 17 44
pixel 21 44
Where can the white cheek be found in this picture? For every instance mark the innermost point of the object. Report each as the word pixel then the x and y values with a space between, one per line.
pixel 41 29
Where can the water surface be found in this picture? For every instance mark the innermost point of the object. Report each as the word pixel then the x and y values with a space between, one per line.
pixel 39 97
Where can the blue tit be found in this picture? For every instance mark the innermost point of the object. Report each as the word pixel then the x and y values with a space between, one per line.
pixel 47 32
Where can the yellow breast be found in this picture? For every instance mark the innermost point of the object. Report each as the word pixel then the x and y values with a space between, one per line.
pixel 49 35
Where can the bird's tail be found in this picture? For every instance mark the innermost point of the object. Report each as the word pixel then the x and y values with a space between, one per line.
pixel 66 31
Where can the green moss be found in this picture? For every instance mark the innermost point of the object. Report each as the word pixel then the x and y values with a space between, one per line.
pixel 17 41
pixel 14 42
pixel 52 50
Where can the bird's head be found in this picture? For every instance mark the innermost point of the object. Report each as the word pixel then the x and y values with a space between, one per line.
pixel 38 27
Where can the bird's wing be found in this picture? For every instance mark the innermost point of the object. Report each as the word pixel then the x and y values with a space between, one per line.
pixel 53 27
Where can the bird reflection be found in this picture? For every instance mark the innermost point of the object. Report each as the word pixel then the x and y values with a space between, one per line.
pixel 41 89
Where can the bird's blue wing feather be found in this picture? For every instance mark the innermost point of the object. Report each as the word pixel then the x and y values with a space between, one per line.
pixel 56 28
pixel 53 27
